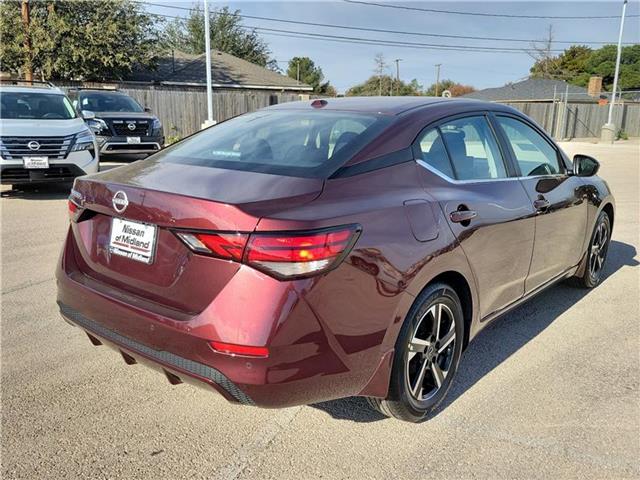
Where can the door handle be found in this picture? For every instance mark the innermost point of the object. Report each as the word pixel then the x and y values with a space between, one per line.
pixel 541 204
pixel 462 216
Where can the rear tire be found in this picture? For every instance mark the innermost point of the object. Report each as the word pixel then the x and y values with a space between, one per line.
pixel 427 354
pixel 596 254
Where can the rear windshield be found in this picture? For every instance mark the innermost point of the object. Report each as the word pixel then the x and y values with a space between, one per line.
pixel 108 102
pixel 293 143
pixel 35 105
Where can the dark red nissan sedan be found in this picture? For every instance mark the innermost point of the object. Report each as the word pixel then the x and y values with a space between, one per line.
pixel 331 248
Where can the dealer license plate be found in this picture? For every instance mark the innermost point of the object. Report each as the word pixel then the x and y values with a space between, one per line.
pixel 36 162
pixel 132 240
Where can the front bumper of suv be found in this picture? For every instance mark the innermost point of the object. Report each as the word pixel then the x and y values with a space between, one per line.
pixel 76 164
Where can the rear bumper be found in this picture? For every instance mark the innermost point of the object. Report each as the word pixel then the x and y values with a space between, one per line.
pixel 310 359
pixel 175 365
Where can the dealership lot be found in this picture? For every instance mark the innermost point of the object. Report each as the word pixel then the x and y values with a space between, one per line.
pixel 552 389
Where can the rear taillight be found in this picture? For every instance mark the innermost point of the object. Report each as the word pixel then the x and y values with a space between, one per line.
pixel 284 255
pixel 74 210
pixel 222 245
pixel 290 254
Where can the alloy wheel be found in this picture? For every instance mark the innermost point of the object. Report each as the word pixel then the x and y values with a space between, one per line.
pixel 599 246
pixel 431 352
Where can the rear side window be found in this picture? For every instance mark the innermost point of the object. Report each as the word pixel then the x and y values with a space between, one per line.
pixel 473 149
pixel 293 143
pixel 535 156
pixel 434 152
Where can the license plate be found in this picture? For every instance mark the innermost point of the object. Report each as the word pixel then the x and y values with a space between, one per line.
pixel 36 162
pixel 132 240
pixel 134 140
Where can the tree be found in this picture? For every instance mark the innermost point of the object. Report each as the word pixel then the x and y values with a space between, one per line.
pixel 381 66
pixel 78 40
pixel 372 87
pixel 456 89
pixel 579 62
pixel 227 35
pixel 304 69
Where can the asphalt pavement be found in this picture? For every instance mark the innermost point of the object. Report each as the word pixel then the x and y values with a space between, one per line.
pixel 549 391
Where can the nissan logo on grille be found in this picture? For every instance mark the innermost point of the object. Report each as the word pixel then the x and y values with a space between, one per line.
pixel 131 126
pixel 120 201
pixel 33 145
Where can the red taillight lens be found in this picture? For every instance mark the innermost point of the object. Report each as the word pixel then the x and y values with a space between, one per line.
pixel 241 350
pixel 73 210
pixel 290 255
pixel 284 255
pixel 222 245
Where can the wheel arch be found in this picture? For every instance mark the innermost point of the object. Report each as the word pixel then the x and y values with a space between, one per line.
pixel 460 285
pixel 608 209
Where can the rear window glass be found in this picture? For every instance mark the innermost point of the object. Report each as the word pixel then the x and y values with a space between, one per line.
pixel 293 143
pixel 34 105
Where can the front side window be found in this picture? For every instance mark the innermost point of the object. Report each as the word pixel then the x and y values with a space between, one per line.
pixel 35 106
pixel 535 156
pixel 293 143
pixel 473 149
pixel 108 102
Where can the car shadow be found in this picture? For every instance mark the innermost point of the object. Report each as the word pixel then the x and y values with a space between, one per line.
pixel 498 341
pixel 52 191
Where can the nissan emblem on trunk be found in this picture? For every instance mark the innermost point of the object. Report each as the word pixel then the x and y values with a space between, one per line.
pixel 131 126
pixel 120 201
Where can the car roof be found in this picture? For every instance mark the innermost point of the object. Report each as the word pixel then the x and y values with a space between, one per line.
pixel 99 90
pixel 377 105
pixel 23 89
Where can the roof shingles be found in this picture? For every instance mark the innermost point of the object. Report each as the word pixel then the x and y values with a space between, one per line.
pixel 226 70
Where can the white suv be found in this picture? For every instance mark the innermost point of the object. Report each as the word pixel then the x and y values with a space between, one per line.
pixel 42 137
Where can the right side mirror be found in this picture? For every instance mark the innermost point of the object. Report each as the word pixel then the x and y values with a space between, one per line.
pixel 585 166
pixel 88 114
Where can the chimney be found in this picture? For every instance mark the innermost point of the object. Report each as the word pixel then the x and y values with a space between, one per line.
pixel 595 86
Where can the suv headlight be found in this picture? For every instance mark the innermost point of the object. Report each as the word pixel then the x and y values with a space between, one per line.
pixel 156 125
pixel 98 126
pixel 84 141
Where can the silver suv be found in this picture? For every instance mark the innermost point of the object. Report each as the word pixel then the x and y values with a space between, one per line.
pixel 42 137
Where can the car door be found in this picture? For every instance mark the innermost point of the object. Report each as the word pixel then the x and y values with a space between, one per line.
pixel 485 204
pixel 557 197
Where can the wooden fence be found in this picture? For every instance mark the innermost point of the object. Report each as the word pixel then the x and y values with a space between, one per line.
pixel 182 110
pixel 581 120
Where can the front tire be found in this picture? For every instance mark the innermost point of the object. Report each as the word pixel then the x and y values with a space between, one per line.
pixel 427 355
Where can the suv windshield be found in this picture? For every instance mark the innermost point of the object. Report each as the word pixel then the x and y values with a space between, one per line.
pixel 35 105
pixel 293 143
pixel 108 102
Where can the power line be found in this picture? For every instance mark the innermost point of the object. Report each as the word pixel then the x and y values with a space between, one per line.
pixel 479 14
pixel 374 41
pixel 395 42
pixel 380 30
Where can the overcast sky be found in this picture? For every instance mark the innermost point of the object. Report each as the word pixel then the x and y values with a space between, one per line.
pixel 346 64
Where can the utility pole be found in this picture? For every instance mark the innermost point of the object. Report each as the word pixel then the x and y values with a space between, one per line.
pixel 397 60
pixel 438 65
pixel 608 132
pixel 207 44
pixel 610 127
pixel 28 64
pixel 298 66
